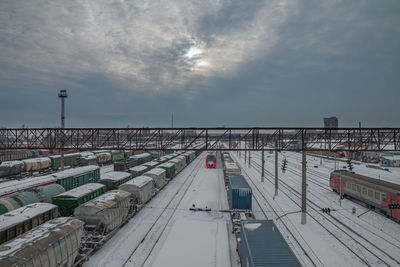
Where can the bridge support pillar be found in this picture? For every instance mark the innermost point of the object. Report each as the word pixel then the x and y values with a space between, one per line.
pixel 262 164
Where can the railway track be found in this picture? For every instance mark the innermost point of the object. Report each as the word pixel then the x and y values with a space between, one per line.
pixel 170 207
pixel 322 199
pixel 315 261
pixel 358 242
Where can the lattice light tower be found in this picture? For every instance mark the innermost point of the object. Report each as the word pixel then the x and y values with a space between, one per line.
pixel 62 95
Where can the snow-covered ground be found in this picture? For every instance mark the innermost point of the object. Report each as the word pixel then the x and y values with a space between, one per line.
pixel 166 233
pixel 342 238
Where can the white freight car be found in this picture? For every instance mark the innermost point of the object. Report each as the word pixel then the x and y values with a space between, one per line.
pixel 54 243
pixel 140 187
pixel 107 211
pixel 159 177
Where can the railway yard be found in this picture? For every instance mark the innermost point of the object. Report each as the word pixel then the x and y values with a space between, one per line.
pixel 181 209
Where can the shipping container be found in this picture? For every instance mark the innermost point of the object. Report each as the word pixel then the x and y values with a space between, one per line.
pixel 239 193
pixel 169 168
pixel 21 220
pixel 158 175
pixel 107 211
pixel 112 180
pixel 261 244
pixel 71 199
pixel 54 243
pixel 140 187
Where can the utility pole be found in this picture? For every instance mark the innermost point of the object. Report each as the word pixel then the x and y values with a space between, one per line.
pixel 262 162
pixel 62 95
pixel 276 168
pixel 304 186
pixel 249 159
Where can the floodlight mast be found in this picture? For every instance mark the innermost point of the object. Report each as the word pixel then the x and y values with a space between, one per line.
pixel 62 95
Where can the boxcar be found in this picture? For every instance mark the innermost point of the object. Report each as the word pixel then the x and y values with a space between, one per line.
pixel 117 155
pixel 239 193
pixel 103 158
pixel 261 244
pixel 142 158
pixel 54 243
pixel 380 194
pixel 138 170
pixel 162 159
pixel 71 199
pixel 71 159
pixel 178 165
pixel 114 179
pixel 125 165
pixel 107 211
pixel 72 178
pixel 169 168
pixel 140 187
pixel 158 175
pixel 21 220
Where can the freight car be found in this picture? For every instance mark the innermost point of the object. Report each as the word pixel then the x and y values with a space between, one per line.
pixel 138 170
pixel 71 199
pixel 379 194
pixel 169 168
pixel 106 212
pixel 179 164
pixel 10 187
pixel 103 158
pixel 151 164
pixel 71 159
pixel 261 244
pixel 54 243
pixel 142 158
pixel 239 193
pixel 75 177
pixel 36 164
pixel 33 195
pixel 21 220
pixel 9 168
pixel 140 187
pixel 112 180
pixel 158 175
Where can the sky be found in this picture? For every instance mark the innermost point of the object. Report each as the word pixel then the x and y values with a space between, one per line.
pixel 211 63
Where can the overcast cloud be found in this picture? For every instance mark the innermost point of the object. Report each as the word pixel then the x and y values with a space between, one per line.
pixel 211 63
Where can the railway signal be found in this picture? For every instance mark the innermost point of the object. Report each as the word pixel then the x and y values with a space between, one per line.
pixel 284 163
pixel 326 210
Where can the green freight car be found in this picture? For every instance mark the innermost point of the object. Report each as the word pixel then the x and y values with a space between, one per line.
pixel 71 199
pixel 126 165
pixel 72 159
pixel 117 155
pixel 169 168
pixel 72 178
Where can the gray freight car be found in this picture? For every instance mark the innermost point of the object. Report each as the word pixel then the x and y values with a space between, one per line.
pixel 107 211
pixel 54 243
pixel 261 244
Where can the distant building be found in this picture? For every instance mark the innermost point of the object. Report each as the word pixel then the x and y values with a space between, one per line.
pixel 331 122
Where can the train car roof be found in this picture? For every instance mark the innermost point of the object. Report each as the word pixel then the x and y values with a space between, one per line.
pixel 115 176
pixel 13 186
pixel 81 190
pixel 369 179
pixel 24 213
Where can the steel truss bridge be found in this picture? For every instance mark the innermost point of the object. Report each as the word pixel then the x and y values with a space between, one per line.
pixel 234 139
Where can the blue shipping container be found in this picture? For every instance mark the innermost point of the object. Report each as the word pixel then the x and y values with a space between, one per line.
pixel 239 193
pixel 261 244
